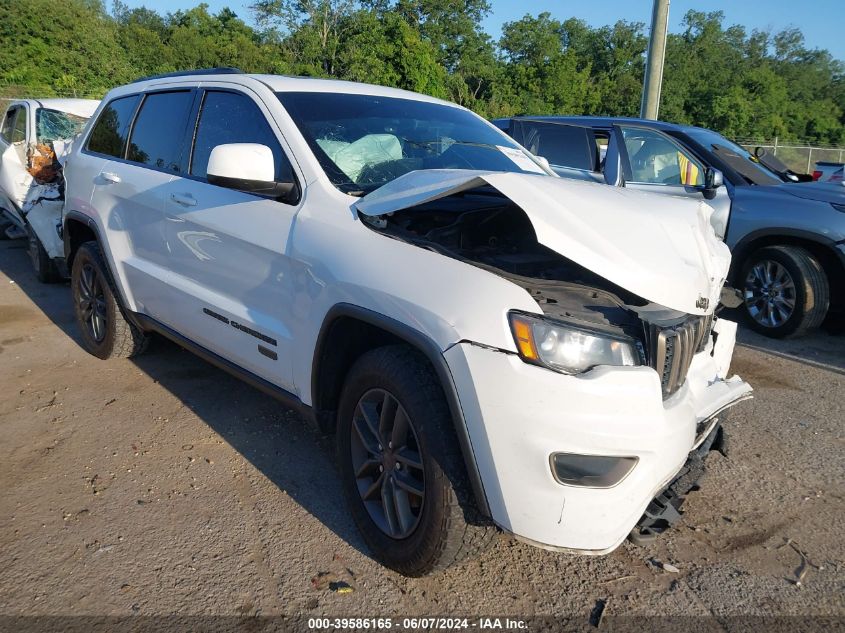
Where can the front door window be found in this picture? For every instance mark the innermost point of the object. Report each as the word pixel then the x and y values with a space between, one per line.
pixel 657 159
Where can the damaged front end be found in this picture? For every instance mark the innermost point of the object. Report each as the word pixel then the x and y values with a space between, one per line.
pixel 633 279
pixel 32 178
pixel 42 206
pixel 664 511
pixel 473 221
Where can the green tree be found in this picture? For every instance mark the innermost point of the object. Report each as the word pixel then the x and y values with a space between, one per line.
pixel 542 76
pixel 68 47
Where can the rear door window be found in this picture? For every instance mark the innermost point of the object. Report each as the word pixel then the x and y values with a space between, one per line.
pixel 561 144
pixel 229 117
pixel 109 134
pixel 157 135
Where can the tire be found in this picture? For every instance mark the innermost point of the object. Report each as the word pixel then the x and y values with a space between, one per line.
pixel 95 299
pixel 796 286
pixel 444 527
pixel 45 268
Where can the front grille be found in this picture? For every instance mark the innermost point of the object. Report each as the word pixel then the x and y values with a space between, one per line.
pixel 670 349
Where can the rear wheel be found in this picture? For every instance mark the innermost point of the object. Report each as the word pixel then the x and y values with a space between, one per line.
pixel 785 291
pixel 401 467
pixel 105 331
pixel 45 268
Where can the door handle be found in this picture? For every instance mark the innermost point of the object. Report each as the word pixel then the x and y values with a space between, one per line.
pixel 110 177
pixel 185 199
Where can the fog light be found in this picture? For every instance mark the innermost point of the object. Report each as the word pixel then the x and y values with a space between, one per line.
pixel 591 471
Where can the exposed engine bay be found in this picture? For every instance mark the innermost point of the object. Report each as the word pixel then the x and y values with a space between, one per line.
pixel 485 229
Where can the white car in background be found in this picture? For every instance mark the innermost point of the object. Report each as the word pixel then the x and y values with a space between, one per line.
pixel 492 345
pixel 34 136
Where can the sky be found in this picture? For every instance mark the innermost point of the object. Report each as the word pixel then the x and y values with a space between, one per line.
pixel 820 20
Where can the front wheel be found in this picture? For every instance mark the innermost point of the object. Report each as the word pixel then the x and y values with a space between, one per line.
pixel 785 291
pixel 401 467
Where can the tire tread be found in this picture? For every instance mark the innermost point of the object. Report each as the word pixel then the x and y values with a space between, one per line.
pixel 462 532
pixel 128 341
pixel 816 290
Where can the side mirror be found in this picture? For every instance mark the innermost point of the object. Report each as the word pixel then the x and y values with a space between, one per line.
pixel 248 167
pixel 713 179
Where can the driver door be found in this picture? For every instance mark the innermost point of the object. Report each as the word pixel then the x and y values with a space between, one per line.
pixel 232 285
pixel 657 163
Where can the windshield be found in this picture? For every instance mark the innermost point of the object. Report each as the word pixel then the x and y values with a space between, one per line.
pixel 52 125
pixel 736 157
pixel 363 142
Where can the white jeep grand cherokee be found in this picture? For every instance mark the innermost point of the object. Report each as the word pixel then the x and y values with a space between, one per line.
pixel 493 346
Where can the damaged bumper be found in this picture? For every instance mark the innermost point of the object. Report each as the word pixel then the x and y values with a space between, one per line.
pixel 518 416
pixel 664 511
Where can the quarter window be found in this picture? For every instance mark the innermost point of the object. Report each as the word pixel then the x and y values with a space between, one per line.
pixel 656 159
pixel 159 129
pixel 229 117
pixel 19 131
pixel 9 124
pixel 109 134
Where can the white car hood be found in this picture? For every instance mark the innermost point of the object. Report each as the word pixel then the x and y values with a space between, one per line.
pixel 661 248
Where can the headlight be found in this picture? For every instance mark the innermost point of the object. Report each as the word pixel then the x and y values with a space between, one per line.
pixel 568 348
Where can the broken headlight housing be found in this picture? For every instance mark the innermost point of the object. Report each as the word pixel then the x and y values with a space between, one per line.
pixel 569 348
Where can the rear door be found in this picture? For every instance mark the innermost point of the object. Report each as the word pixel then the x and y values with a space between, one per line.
pixel 654 162
pixel 572 150
pixel 232 287
pixel 15 180
pixel 141 140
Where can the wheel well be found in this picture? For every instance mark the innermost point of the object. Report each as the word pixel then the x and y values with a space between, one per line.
pixel 350 331
pixel 341 343
pixel 830 263
pixel 76 233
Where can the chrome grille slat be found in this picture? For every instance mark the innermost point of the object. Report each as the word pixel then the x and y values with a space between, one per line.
pixel 671 349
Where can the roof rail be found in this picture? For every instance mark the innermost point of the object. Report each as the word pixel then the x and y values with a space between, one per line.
pixel 223 70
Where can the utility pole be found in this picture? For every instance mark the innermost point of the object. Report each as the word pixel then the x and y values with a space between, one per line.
pixel 654 63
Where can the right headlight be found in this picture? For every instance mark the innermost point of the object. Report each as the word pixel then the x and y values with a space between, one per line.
pixel 569 348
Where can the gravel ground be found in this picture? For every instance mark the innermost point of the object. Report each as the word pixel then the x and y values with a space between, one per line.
pixel 163 486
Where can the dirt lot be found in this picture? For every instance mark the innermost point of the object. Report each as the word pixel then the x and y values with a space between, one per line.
pixel 162 486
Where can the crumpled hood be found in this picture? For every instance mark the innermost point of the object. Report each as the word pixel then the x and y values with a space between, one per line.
pixel 658 247
pixel 821 191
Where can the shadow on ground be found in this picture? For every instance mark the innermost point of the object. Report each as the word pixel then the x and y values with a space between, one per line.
pixel 823 348
pixel 273 438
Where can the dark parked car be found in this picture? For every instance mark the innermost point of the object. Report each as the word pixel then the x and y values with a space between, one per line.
pixel 787 238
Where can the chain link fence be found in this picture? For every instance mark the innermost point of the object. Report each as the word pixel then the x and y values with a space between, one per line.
pixel 799 157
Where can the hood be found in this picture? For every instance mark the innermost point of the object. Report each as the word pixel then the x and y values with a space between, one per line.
pixel 821 191
pixel 659 247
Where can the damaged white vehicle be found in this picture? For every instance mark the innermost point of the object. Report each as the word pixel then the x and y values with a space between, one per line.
pixel 34 138
pixel 494 347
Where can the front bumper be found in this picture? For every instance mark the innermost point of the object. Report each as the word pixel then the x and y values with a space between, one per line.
pixel 517 415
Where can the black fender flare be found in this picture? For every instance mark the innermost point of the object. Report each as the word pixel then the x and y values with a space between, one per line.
pixel 76 216
pixel 425 345
pixel 743 248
